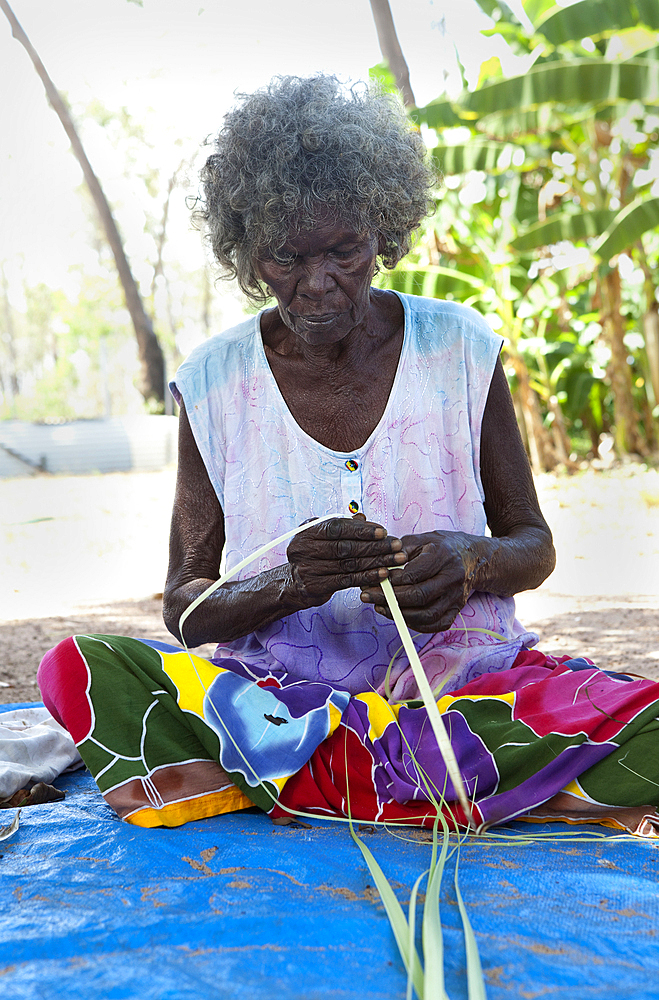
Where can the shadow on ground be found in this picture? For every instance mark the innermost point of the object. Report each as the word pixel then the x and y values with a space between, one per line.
pixel 23 643
pixel 616 633
pixel 616 636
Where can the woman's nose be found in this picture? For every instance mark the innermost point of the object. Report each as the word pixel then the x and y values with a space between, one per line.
pixel 316 280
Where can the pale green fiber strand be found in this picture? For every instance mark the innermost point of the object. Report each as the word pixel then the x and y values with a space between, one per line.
pixel 397 920
pixel 411 919
pixel 425 691
pixel 431 927
pixel 475 981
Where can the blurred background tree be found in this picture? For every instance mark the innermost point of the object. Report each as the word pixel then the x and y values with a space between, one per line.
pixel 152 373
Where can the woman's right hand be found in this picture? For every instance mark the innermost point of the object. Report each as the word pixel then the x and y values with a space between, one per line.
pixel 341 553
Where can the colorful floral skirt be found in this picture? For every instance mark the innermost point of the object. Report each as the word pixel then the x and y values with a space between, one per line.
pixel 170 737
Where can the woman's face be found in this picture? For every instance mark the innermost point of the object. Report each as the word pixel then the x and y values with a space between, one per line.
pixel 323 280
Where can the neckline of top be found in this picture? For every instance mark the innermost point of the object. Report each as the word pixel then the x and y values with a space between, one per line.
pixel 288 416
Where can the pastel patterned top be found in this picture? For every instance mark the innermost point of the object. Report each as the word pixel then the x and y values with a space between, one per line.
pixel 418 471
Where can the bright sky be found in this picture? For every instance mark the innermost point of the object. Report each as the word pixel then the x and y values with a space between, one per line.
pixel 183 59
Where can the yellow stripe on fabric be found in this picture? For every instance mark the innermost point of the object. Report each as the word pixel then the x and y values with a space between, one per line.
pixel 334 718
pixel 191 684
pixel 574 788
pixel 448 699
pixel 380 713
pixel 176 813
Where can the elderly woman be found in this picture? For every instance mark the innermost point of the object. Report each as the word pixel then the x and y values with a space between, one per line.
pixel 391 413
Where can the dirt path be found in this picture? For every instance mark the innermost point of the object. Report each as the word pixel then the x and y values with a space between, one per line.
pixel 88 554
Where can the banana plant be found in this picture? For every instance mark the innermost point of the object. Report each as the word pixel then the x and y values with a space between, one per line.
pixel 579 129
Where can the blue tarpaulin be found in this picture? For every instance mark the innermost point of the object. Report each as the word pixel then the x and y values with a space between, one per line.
pixel 234 907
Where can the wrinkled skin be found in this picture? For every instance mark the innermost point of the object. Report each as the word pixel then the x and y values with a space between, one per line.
pixel 436 582
pixel 333 345
pixel 341 553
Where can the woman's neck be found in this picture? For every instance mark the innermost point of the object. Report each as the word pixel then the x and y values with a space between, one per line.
pixel 337 393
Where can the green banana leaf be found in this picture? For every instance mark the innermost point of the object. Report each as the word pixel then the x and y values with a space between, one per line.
pixel 539 121
pixel 595 17
pixel 431 281
pixel 492 7
pixel 438 114
pixel 494 157
pixel 648 12
pixel 568 82
pixel 535 10
pixel 627 227
pixel 573 226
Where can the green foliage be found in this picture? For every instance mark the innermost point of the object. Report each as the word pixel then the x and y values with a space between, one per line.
pixel 628 227
pixel 438 114
pixel 68 355
pixel 570 226
pixel 492 157
pixel 593 18
pixel 382 75
pixel 546 191
pixel 74 355
pixel 581 83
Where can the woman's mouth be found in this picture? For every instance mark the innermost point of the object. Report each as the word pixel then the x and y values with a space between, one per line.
pixel 316 321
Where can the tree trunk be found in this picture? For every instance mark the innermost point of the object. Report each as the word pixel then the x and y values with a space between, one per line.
pixel 541 452
pixel 152 380
pixel 628 436
pixel 391 50
pixel 161 238
pixel 562 443
pixel 650 323
pixel 10 380
pixel 651 334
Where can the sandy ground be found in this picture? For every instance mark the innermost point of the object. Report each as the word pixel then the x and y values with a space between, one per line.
pixel 89 554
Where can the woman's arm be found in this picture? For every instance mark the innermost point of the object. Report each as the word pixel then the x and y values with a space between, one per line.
pixel 446 566
pixel 328 557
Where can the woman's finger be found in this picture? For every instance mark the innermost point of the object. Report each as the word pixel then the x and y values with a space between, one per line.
pixel 352 528
pixel 435 618
pixel 427 607
pixel 312 549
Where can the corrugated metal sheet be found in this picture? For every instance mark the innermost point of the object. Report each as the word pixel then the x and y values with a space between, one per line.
pixel 115 445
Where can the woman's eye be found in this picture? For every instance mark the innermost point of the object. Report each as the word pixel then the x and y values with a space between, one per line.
pixel 345 254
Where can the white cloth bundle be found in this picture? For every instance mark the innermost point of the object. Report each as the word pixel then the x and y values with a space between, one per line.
pixel 33 747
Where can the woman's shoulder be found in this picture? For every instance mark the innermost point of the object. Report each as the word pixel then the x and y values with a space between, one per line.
pixel 213 357
pixel 215 362
pixel 223 342
pixel 444 311
pixel 447 325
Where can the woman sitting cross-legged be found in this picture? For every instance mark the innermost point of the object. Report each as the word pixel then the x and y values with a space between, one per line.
pixel 390 417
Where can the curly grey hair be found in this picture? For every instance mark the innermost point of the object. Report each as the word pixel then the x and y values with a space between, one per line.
pixel 298 145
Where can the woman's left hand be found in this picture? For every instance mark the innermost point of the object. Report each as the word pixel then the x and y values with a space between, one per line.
pixel 437 579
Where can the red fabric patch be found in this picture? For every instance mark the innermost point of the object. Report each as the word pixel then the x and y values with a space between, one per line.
pixel 535 658
pixel 552 698
pixel 581 701
pixel 63 678
pixel 320 787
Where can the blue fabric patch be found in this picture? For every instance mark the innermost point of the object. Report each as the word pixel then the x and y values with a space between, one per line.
pixel 578 663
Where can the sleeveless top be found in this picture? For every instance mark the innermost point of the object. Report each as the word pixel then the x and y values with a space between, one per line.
pixel 418 471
